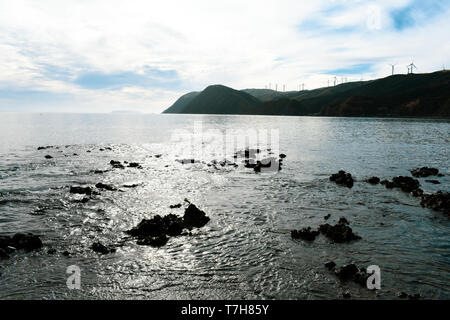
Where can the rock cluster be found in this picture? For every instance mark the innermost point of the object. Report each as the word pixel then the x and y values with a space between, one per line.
pixel 342 178
pixel 339 233
pixel 156 231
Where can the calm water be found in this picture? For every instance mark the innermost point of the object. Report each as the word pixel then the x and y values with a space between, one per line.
pixel 245 251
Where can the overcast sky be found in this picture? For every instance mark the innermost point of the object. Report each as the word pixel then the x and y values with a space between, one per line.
pixel 101 56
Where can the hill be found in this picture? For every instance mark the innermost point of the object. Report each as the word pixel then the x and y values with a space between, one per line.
pixel 414 95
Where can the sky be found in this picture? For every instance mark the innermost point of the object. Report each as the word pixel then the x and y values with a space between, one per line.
pixel 103 56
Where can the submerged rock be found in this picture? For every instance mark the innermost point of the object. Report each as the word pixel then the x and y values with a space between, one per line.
pixel 51 251
pixel 440 201
pixel 433 181
pixel 175 206
pixel 305 234
pixel 100 248
pixel 424 172
pixel 48 156
pixel 134 165
pixel 343 178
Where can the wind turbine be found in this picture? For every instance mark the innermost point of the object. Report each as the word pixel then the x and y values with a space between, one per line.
pixel 393 68
pixel 411 67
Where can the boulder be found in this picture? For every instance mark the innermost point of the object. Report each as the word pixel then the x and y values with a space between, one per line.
pixel 342 178
pixel 305 234
pixel 424 172
pixel 194 217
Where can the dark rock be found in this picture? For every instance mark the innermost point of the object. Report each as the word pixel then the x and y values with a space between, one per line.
pixel 373 180
pixel 105 186
pixel 347 271
pixel 186 161
pixel 343 178
pixel 100 171
pixel 175 206
pixel 116 164
pixel 5 242
pixel 433 181
pixel 416 296
pixel 134 165
pixel 194 217
pixel 339 233
pixel 134 185
pixel 158 155
pixel 267 165
pixel 440 201
pixel 100 248
pixel 66 253
pixel 417 193
pixel 305 234
pixel 48 157
pixel 282 155
pixel 26 241
pixel 81 190
pixel 101 149
pixel 424 172
pixel 407 184
pixel 3 254
pixel 43 148
pixel 347 294
pixel 328 216
pixel 51 251
pixel 330 265
pixel 343 220
pixel 155 231
pixel 402 295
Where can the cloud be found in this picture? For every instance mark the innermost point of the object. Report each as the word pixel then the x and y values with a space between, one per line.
pixel 150 78
pixel 98 56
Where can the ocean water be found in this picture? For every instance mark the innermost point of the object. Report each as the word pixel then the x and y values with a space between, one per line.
pixel 245 251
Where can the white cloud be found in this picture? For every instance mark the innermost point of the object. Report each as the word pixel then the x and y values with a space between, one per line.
pixel 45 45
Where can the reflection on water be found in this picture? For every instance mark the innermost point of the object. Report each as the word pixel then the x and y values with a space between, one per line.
pixel 245 251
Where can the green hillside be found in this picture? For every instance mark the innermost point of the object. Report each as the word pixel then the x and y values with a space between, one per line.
pixel 414 95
